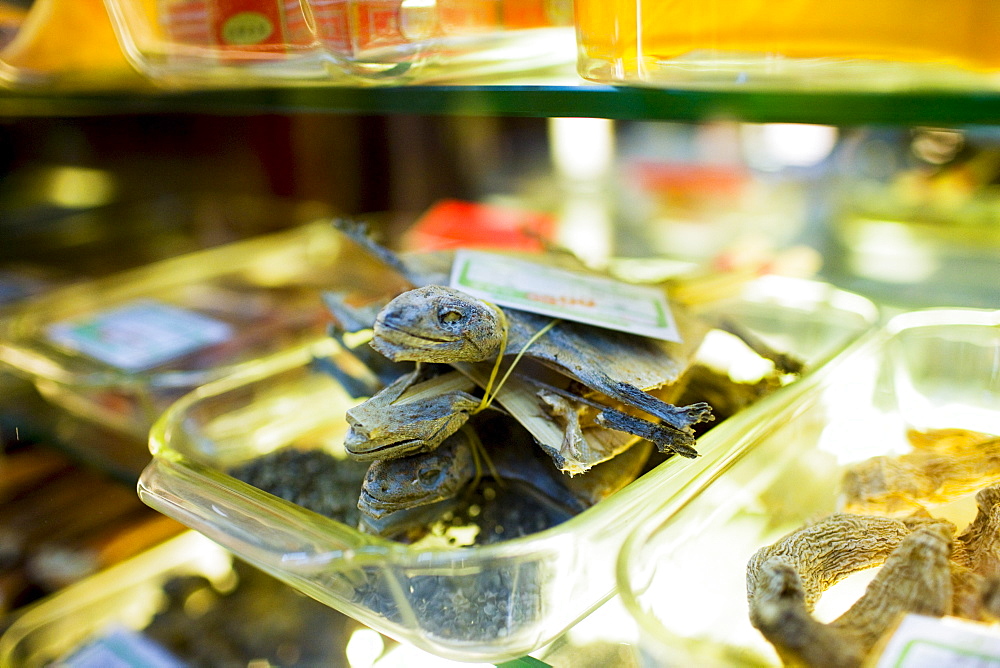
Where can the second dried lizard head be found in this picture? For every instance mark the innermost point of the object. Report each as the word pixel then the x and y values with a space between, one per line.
pixel 438 324
pixel 393 485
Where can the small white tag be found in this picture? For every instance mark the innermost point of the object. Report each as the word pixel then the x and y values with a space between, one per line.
pixel 140 335
pixel 931 642
pixel 560 293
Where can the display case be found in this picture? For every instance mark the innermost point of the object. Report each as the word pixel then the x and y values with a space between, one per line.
pixel 503 111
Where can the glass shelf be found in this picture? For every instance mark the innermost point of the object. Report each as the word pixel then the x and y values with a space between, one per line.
pixel 553 95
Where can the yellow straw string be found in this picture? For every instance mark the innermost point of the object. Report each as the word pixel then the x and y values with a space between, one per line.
pixel 489 397
pixel 502 317
pixel 479 454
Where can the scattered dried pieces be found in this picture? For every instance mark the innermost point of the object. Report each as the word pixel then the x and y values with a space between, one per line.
pixel 944 465
pixel 313 479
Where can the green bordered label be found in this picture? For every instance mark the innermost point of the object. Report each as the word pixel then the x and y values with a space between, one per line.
pixel 560 293
pixel 931 642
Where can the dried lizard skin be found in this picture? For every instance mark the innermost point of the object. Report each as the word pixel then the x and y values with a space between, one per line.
pixel 785 580
pixel 426 478
pixel 439 324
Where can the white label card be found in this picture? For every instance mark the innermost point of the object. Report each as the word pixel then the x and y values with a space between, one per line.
pixel 560 293
pixel 140 335
pixel 931 642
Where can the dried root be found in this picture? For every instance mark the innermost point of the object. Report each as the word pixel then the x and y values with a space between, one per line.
pixel 925 570
pixel 785 580
pixel 828 551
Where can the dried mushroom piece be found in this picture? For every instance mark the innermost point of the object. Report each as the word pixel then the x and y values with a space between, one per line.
pixel 785 580
pixel 925 570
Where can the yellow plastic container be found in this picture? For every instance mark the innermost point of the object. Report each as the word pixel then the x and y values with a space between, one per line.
pixel 67 43
pixel 798 43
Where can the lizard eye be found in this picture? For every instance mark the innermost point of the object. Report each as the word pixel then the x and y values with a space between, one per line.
pixel 449 315
pixel 429 476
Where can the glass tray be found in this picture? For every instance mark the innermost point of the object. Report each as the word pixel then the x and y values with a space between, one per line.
pixel 126 595
pixel 682 573
pixel 234 305
pixel 532 588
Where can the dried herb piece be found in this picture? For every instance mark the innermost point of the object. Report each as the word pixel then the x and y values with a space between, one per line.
pixel 944 465
pixel 980 542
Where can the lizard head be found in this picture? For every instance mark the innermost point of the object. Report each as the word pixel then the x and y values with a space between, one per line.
pixel 380 430
pixel 399 484
pixel 438 324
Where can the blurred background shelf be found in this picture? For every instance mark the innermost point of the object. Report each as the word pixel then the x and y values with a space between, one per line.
pixel 558 94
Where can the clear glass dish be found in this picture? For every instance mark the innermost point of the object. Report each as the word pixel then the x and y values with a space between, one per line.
pixel 532 588
pixel 928 369
pixel 184 602
pixel 247 42
pixel 119 350
pixel 126 595
pixel 914 215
